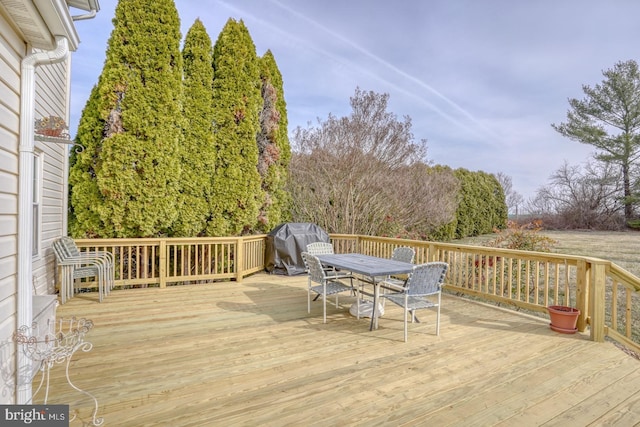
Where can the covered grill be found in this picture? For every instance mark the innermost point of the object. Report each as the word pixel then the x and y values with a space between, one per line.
pixel 286 242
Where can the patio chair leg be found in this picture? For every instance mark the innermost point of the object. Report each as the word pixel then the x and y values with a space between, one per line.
pixel 324 308
pixel 405 323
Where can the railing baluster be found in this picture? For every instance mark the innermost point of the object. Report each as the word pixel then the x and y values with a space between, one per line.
pixel 628 319
pixel 153 261
pixel 129 263
pixel 614 305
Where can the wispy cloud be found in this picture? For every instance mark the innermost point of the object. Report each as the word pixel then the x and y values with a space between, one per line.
pixel 474 124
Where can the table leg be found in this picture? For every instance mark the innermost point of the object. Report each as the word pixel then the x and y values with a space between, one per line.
pixel 374 321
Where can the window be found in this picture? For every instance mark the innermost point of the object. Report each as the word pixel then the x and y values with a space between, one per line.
pixel 37 203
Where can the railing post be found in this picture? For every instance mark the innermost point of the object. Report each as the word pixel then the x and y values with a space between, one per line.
pixel 597 301
pixel 239 264
pixel 432 253
pixel 163 263
pixel 582 294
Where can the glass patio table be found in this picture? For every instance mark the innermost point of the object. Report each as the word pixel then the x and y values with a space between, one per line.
pixel 370 266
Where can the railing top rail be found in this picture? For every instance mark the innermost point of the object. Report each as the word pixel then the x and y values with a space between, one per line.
pixel 480 249
pixel 417 243
pixel 622 275
pixel 153 240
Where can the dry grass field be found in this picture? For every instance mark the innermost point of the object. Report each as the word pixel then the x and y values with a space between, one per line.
pixel 623 248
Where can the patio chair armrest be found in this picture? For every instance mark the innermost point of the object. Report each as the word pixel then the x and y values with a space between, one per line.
pixel 81 262
pixel 91 256
pixel 99 254
pixel 335 275
pixel 397 286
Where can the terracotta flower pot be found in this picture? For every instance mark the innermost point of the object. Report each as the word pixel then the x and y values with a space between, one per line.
pixel 51 132
pixel 563 319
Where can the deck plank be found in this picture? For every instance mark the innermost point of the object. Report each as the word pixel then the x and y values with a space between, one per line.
pixel 249 354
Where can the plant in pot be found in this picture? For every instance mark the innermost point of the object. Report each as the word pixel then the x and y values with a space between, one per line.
pixel 563 318
pixel 51 126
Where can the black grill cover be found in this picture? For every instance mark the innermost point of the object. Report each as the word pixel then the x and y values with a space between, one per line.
pixel 286 242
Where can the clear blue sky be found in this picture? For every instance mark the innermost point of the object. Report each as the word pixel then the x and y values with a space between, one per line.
pixel 481 80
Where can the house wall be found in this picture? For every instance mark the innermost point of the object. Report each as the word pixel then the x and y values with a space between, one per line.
pixel 51 87
pixel 52 83
pixel 12 49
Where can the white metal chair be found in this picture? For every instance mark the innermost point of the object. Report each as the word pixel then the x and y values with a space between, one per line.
pixel 404 254
pixel 105 258
pixel 324 248
pixel 77 268
pixel 326 285
pixel 319 248
pixel 424 281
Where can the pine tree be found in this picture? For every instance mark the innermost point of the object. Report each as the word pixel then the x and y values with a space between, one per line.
pixel 198 155
pixel 273 146
pixel 133 128
pixel 609 119
pixel 236 195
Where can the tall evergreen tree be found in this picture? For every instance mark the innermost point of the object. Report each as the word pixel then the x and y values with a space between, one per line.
pixel 198 155
pixel 273 146
pixel 85 198
pixel 609 119
pixel 482 207
pixel 135 129
pixel 237 102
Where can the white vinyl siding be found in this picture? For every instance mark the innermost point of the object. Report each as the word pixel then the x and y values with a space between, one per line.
pixel 11 52
pixel 51 100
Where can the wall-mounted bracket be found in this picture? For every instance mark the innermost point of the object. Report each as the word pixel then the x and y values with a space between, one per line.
pixel 59 140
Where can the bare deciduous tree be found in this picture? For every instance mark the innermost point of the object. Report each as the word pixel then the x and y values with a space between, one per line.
pixel 512 198
pixel 364 174
pixel 576 197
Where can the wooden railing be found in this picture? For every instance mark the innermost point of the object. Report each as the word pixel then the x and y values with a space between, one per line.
pixel 162 262
pixel 606 294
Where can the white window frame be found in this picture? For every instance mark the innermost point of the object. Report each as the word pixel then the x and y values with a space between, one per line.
pixel 38 168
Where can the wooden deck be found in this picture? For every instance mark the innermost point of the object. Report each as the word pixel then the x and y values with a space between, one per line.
pixel 248 354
